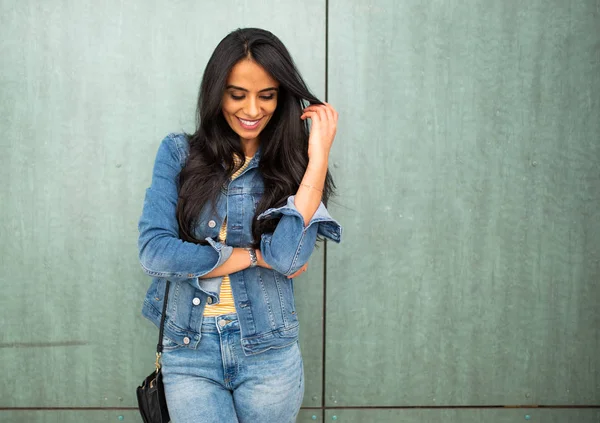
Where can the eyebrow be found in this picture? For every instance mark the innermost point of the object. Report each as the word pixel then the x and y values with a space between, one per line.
pixel 235 87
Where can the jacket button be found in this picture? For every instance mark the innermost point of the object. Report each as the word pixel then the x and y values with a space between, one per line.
pixel 196 301
pixel 209 300
pixel 212 223
pixel 186 340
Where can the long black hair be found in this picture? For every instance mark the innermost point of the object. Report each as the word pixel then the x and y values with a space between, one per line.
pixel 283 142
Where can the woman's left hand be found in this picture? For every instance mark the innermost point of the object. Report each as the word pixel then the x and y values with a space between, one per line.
pixel 322 132
pixel 299 272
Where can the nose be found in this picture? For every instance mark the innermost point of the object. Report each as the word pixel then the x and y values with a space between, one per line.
pixel 251 110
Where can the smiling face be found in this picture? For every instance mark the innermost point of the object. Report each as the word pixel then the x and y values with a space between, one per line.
pixel 249 101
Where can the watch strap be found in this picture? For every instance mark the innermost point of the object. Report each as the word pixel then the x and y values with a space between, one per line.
pixel 253 258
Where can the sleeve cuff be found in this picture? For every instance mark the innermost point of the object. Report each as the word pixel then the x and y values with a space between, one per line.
pixel 212 286
pixel 224 251
pixel 328 227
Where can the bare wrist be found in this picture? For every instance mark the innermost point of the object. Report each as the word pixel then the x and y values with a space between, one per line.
pixel 261 261
pixel 318 163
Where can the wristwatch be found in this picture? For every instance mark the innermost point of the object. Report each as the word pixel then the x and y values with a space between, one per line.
pixel 253 258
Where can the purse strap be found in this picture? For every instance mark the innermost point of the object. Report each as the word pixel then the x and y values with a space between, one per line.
pixel 159 346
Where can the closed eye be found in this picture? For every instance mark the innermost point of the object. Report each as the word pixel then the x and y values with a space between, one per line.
pixel 262 97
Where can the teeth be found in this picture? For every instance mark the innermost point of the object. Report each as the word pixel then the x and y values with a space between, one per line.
pixel 248 122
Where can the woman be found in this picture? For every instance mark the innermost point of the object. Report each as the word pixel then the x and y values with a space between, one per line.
pixel 231 217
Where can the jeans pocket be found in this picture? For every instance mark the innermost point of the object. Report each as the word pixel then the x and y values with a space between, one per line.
pixel 169 344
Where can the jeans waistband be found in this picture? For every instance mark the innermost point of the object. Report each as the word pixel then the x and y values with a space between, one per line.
pixel 217 324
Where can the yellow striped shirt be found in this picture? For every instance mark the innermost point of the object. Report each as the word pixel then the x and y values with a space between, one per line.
pixel 226 304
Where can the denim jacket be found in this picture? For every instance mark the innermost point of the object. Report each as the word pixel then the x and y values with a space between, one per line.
pixel 264 298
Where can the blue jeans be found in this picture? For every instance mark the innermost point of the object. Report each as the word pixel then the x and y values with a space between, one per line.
pixel 218 383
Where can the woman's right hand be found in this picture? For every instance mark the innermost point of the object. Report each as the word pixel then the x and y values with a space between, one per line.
pixel 260 261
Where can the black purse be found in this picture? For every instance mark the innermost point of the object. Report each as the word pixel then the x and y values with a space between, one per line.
pixel 151 394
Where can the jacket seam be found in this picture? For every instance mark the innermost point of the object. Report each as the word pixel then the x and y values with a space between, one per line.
pixel 271 334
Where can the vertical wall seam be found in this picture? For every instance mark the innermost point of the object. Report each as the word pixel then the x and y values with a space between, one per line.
pixel 323 365
pixel 327 50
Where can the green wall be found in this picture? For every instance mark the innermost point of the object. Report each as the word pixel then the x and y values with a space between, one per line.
pixel 468 169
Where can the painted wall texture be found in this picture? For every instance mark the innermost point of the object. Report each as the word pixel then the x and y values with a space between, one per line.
pixel 468 170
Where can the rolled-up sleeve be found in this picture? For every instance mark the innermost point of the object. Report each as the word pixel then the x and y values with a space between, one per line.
pixel 162 253
pixel 290 246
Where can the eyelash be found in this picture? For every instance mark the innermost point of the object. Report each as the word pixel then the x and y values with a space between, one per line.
pixel 241 97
